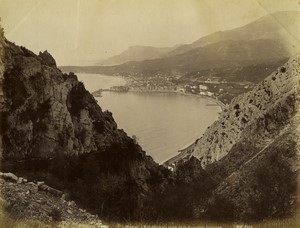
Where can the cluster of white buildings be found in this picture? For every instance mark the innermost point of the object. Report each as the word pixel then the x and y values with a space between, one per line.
pixel 201 89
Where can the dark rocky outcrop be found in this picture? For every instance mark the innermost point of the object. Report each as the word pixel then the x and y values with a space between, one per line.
pixel 48 59
pixel 54 130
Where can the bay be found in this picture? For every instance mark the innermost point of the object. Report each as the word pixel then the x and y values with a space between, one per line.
pixel 162 122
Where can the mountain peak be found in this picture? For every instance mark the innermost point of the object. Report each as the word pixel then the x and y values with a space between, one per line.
pixel 47 57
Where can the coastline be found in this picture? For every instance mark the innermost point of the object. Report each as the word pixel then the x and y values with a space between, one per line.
pixel 178 155
pixel 127 83
pixel 217 102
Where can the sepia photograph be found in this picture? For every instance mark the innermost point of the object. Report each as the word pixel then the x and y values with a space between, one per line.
pixel 150 113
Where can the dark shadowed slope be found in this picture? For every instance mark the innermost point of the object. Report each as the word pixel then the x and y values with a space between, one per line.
pixel 250 156
pixel 54 130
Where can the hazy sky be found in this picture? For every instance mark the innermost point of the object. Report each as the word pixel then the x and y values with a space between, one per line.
pixel 82 32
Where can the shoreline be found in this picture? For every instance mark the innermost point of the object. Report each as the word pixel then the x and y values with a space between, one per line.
pixel 177 155
pixel 215 101
pixel 127 83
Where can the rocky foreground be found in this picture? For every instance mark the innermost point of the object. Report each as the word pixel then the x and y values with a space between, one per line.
pixel 29 203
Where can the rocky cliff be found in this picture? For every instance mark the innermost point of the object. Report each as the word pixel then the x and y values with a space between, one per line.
pixel 46 111
pixel 54 130
pixel 250 157
pixel 257 115
pixel 261 184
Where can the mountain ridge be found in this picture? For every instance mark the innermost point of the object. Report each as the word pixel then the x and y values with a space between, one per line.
pixel 262 42
pixel 279 25
pixel 136 53
pixel 226 54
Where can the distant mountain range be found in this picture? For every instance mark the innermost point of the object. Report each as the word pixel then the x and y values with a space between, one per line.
pixel 267 41
pixel 137 53
pixel 280 25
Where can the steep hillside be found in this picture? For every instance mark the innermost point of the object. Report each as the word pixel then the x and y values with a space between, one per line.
pixel 50 110
pixel 256 115
pixel 227 53
pixel 265 186
pixel 251 73
pixel 54 130
pixel 249 185
pixel 250 156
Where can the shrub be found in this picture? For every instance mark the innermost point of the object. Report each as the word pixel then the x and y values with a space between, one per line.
pixel 220 209
pixel 282 69
pixel 77 99
pixel 55 214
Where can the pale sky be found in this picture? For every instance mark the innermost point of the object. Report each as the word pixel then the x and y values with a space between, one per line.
pixel 82 32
